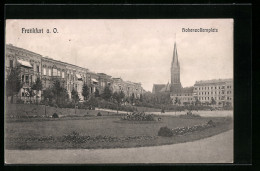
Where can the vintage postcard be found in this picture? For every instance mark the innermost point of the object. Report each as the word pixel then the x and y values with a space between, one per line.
pixel 102 91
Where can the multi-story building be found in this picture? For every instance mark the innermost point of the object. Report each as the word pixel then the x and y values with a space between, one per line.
pixel 76 77
pixel 104 80
pixel 29 64
pixel 51 70
pixel 34 65
pixel 221 90
pixel 92 81
pixel 185 96
pixel 129 88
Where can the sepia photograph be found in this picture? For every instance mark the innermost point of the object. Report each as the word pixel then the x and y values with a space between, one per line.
pixel 119 91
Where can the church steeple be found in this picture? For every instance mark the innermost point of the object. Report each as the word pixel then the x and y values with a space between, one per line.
pixel 175 67
pixel 175 60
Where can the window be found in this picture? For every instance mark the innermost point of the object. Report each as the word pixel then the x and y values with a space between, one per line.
pixel 54 72
pixel 27 79
pixel 22 78
pixel 211 87
pixel 58 73
pixel 11 64
pixel 62 75
pixel 49 72
pixel 44 71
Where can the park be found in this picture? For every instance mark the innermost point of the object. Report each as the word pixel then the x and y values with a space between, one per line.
pixel 94 129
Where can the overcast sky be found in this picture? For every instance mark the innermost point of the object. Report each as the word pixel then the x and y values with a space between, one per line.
pixel 135 50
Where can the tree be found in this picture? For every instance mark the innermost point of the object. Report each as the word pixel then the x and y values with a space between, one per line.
pixel 75 97
pixel 97 93
pixel 121 95
pixel 132 98
pixel 141 98
pixel 213 101
pixel 117 97
pixel 37 86
pixel 13 83
pixel 59 92
pixel 85 91
pixel 197 102
pixel 93 102
pixel 56 89
pixel 175 102
pixel 48 94
pixel 107 94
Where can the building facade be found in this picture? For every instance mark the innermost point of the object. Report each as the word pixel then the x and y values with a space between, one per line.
pixel 30 67
pixel 221 90
pixel 129 88
pixel 34 65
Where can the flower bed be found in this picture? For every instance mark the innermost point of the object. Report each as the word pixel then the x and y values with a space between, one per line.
pixel 166 132
pixel 138 116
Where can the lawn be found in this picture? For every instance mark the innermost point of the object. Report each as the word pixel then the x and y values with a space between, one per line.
pixel 102 132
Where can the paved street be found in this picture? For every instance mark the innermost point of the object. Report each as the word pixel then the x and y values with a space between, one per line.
pixel 216 149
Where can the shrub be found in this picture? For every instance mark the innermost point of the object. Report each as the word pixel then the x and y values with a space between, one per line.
pixel 139 116
pixel 211 123
pixel 19 101
pixel 99 114
pixel 162 111
pixel 55 115
pixel 165 132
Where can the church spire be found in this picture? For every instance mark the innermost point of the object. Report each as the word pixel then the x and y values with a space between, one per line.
pixel 175 67
pixel 175 59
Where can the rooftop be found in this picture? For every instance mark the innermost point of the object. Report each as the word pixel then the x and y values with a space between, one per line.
pixel 213 81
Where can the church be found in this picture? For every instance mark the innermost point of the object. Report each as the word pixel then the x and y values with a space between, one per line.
pixel 184 95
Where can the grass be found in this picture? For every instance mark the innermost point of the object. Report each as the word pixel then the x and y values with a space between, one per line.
pixel 101 132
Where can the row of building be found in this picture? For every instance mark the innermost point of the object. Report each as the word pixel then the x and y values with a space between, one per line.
pixel 221 90
pixel 34 65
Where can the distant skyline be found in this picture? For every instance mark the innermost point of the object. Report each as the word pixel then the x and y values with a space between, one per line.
pixel 135 50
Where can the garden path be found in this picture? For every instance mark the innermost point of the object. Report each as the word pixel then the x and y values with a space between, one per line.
pixel 216 149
